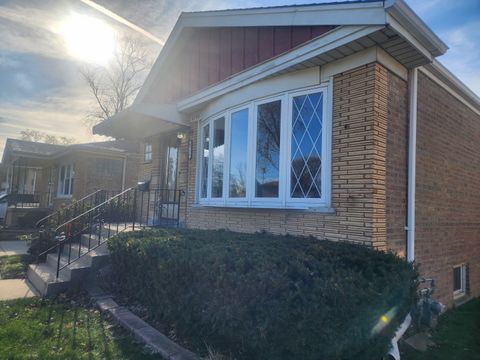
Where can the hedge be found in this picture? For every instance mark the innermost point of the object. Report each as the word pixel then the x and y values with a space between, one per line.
pixel 260 296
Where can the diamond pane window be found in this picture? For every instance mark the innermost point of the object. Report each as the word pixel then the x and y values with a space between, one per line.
pixel 306 155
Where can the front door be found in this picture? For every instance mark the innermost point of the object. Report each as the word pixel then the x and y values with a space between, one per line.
pixel 167 196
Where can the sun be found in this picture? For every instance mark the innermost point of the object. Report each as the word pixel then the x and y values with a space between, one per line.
pixel 88 39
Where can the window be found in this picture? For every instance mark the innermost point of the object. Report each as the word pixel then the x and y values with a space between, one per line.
pixel 148 152
pixel 269 153
pixel 65 180
pixel 459 280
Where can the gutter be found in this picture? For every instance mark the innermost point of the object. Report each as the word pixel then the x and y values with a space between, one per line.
pixel 412 154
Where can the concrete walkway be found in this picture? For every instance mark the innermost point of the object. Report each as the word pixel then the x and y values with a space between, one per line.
pixel 16 289
pixel 17 247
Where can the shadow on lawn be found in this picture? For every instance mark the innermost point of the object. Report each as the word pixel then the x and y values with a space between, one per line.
pixel 62 329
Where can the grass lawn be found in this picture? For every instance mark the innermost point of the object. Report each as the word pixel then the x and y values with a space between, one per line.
pixel 13 267
pixel 43 329
pixel 457 336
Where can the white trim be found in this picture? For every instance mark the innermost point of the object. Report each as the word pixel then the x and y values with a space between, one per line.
pixel 412 155
pixel 452 85
pixel 319 14
pixel 283 201
pixel 360 13
pixel 363 57
pixel 405 16
pixel 333 39
pixel 463 281
pixel 338 14
pixel 60 182
pixel 300 79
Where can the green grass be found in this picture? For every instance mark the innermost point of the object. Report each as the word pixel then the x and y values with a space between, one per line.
pixel 457 336
pixel 43 329
pixel 13 267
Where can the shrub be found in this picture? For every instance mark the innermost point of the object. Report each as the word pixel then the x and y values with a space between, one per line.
pixel 259 296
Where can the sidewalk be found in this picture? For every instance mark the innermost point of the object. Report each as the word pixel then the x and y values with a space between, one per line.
pixel 15 289
pixel 17 247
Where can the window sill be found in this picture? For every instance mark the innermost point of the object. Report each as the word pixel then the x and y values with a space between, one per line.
pixel 64 196
pixel 305 209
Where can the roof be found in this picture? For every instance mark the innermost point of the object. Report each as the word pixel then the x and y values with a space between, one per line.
pixel 34 148
pixel 390 25
pixel 43 150
pixel 351 13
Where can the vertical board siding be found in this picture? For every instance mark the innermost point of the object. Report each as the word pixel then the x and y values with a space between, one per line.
pixel 211 55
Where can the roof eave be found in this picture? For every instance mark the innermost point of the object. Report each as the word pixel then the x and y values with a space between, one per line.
pixel 406 17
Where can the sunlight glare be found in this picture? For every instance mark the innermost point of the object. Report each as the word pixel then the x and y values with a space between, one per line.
pixel 88 39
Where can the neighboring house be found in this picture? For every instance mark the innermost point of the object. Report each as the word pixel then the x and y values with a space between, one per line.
pixel 331 120
pixel 40 177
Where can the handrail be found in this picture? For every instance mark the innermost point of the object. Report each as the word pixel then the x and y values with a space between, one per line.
pixel 128 210
pixel 93 209
pixel 74 203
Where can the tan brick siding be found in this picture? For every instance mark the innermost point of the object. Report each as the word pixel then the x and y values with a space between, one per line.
pixel 448 188
pixel 360 118
pixel 394 92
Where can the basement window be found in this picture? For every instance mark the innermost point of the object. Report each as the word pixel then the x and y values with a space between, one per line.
pixel 459 281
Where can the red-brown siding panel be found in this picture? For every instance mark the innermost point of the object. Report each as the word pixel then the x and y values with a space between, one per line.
pixel 211 55
pixel 225 53
pixel 282 38
pixel 251 47
pixel 265 43
pixel 238 49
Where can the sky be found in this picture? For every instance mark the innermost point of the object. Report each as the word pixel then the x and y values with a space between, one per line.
pixel 41 87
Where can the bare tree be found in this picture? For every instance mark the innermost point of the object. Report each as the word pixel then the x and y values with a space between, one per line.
pixel 39 136
pixel 115 86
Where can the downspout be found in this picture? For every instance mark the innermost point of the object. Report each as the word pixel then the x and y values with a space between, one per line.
pixel 412 155
pixel 393 352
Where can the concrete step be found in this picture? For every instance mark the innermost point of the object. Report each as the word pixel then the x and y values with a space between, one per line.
pixel 43 276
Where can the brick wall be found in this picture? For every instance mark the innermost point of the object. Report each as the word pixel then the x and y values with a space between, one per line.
pixel 448 188
pixel 394 93
pixel 361 105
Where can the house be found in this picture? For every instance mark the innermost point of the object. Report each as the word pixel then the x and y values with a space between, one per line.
pixel 331 120
pixel 41 177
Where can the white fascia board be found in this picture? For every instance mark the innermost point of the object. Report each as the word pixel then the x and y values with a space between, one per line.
pixel 372 13
pixel 353 14
pixel 331 40
pixel 367 56
pixel 287 9
pixel 408 19
pixel 443 77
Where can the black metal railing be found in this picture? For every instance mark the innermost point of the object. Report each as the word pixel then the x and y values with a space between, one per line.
pixel 35 199
pixel 77 207
pixel 129 210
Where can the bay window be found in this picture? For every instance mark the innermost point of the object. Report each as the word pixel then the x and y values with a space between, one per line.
pixel 271 153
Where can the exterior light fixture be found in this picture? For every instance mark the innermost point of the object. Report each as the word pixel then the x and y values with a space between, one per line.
pixel 180 135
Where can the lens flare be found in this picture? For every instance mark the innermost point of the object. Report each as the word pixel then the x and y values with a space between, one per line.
pixel 384 320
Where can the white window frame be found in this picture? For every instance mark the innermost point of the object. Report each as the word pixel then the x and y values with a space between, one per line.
pixel 284 201
pixel 147 153
pixel 463 281
pixel 61 193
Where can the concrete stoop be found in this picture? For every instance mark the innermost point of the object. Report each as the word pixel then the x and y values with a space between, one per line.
pixel 43 276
